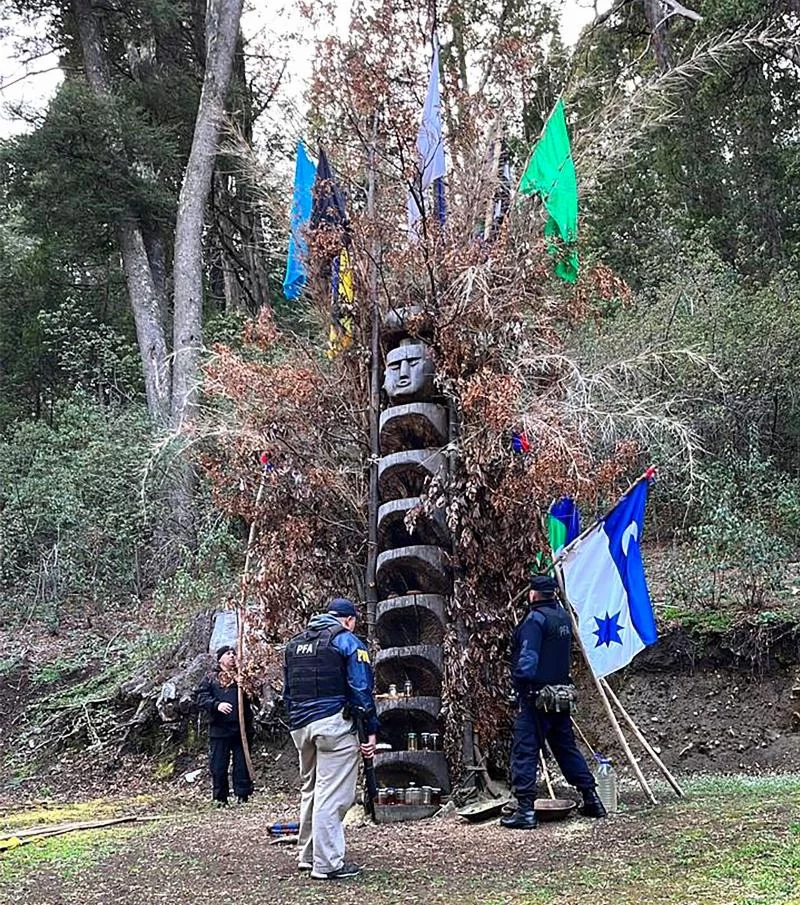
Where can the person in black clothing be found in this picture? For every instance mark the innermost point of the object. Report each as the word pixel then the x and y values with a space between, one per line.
pixel 218 695
pixel 541 650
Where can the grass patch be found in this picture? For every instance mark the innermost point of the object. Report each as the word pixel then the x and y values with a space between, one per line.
pixel 8 665
pixel 96 809
pixel 57 671
pixel 66 856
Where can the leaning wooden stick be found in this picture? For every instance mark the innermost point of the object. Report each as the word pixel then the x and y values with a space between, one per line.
pixel 642 740
pixel 546 774
pixel 601 691
pixel 240 614
pixel 577 728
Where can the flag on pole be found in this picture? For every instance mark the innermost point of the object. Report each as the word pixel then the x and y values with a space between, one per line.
pixel 304 173
pixel 604 581
pixel 430 152
pixel 328 209
pixel 551 174
pixel 329 212
pixel 340 331
pixel 563 524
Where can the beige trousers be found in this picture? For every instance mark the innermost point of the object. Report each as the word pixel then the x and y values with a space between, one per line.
pixel 328 750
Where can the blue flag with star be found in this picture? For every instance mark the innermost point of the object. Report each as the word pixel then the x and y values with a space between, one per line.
pixel 605 583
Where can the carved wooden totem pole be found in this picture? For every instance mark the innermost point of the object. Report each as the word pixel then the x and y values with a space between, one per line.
pixel 413 578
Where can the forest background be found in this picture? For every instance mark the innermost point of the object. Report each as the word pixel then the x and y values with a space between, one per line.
pixel 677 345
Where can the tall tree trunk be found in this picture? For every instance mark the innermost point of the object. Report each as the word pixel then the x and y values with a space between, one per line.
pixel 156 249
pixel 222 29
pixel 654 13
pixel 142 291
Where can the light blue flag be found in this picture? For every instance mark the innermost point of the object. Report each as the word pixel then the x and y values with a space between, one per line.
pixel 305 172
pixel 605 583
pixel 430 149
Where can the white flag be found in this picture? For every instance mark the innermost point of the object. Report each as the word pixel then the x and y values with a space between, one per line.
pixel 430 143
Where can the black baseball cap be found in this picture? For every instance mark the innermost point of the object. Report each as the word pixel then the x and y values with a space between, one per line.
pixel 544 584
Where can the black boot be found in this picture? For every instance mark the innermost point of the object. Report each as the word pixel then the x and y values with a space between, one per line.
pixel 592 806
pixel 524 818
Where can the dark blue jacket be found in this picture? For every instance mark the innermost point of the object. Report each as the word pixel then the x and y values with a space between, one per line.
pixel 354 688
pixel 541 648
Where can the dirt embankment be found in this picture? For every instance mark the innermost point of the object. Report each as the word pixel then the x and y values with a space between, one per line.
pixel 712 703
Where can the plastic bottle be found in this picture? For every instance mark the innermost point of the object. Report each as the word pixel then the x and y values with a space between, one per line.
pixel 606 779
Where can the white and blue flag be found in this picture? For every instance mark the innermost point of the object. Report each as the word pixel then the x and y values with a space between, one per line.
pixel 430 152
pixel 605 583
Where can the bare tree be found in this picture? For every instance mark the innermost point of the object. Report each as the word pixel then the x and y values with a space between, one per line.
pixel 142 286
pixel 222 29
pixel 171 392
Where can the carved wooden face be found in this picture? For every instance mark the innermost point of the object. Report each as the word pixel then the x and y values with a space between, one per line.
pixel 409 373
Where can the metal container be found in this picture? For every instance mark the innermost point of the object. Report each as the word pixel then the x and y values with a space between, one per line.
pixel 554 808
pixel 413 742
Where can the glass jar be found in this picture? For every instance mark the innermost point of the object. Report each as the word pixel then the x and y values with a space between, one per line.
pixel 412 742
pixel 408 688
pixel 425 741
pixel 433 741
pixel 383 796
pixel 392 691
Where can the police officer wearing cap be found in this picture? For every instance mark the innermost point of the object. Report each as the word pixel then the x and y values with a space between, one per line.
pixel 540 662
pixel 327 676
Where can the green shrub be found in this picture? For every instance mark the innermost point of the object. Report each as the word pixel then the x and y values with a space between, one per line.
pixel 73 523
pixel 747 530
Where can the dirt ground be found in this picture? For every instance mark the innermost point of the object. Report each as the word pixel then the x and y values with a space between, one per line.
pixel 729 842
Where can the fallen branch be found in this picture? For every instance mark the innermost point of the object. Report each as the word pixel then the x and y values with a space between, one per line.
pixel 23 837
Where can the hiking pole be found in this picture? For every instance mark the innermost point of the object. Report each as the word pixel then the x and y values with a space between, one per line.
pixel 240 613
pixel 370 781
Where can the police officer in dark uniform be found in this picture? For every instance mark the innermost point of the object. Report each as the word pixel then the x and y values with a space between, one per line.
pixel 327 677
pixel 540 663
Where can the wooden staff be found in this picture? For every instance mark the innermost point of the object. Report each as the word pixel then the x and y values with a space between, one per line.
pixel 642 740
pixel 240 617
pixel 577 728
pixel 546 774
pixel 601 691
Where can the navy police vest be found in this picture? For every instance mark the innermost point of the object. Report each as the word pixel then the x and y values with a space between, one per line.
pixel 555 653
pixel 315 668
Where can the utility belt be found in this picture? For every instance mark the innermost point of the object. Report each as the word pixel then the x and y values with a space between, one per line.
pixel 555 699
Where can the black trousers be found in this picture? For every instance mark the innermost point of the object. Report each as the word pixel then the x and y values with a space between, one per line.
pixel 531 729
pixel 219 760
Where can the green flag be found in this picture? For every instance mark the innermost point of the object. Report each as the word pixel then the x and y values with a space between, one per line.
pixel 551 173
